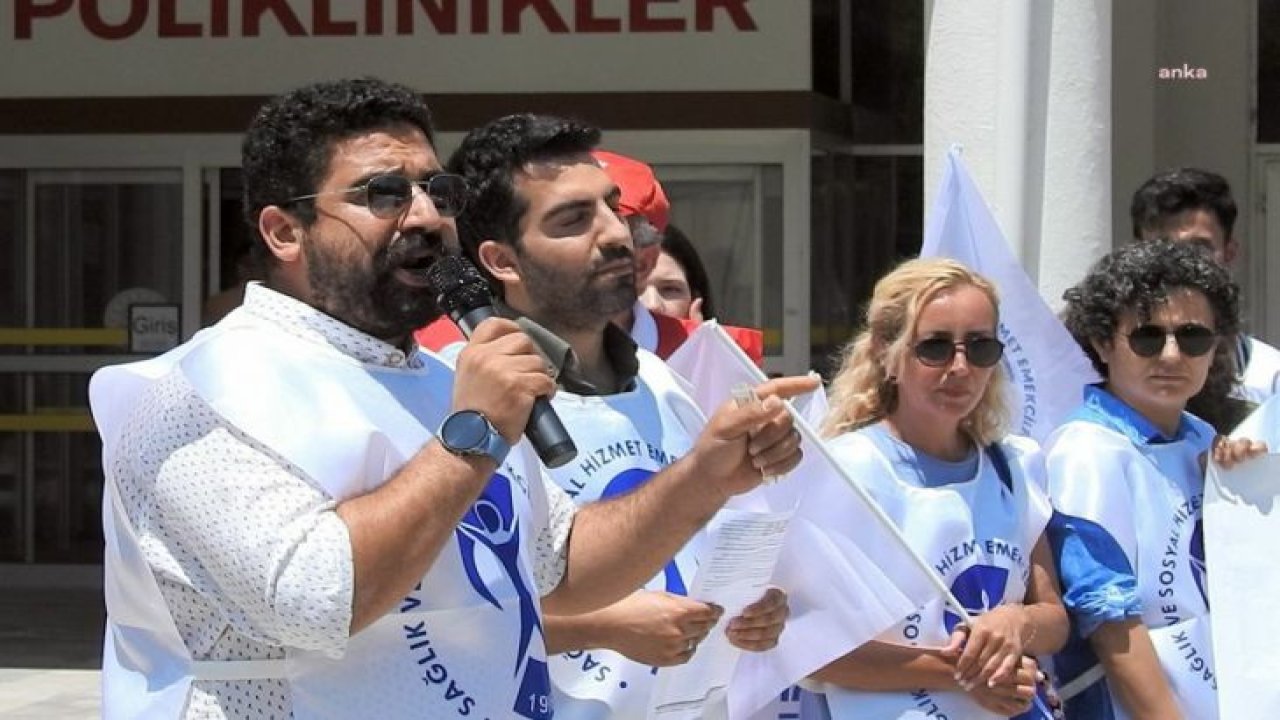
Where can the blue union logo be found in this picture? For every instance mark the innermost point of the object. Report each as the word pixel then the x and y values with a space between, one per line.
pixel 625 482
pixel 978 588
pixel 1199 572
pixel 492 522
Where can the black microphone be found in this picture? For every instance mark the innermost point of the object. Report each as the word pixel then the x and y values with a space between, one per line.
pixel 463 293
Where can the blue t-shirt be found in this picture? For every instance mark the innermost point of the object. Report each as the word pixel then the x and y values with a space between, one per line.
pixel 919 467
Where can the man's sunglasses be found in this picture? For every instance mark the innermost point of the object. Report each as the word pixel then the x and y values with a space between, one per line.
pixel 982 352
pixel 387 196
pixel 1193 339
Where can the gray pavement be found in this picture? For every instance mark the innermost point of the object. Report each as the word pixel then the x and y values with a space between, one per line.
pixel 50 653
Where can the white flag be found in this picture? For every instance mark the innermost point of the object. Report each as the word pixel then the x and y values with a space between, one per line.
pixel 1047 370
pixel 846 581
pixel 1241 521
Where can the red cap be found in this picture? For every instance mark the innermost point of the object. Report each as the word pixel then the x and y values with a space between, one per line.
pixel 641 192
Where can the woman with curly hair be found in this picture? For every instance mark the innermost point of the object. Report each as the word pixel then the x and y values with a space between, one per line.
pixel 1126 473
pixel 918 415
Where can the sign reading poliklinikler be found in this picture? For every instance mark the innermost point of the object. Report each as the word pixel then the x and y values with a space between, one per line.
pixel 168 48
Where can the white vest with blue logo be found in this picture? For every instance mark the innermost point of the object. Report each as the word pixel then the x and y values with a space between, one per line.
pixel 467 642
pixel 1148 498
pixel 978 536
pixel 622 439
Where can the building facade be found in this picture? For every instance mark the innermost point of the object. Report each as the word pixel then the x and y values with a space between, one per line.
pixel 790 136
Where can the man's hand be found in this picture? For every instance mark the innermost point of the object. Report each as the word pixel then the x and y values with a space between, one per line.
pixel 500 373
pixel 761 623
pixel 740 446
pixel 658 628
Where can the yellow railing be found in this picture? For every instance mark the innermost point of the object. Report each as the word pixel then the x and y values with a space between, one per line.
pixel 64 336
pixel 59 420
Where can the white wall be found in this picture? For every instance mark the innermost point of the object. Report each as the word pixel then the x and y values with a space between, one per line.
pixel 981 68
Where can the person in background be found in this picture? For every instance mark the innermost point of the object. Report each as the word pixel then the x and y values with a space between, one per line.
pixel 545 229
pixel 644 207
pixel 1126 474
pixel 918 415
pixel 678 285
pixel 1195 206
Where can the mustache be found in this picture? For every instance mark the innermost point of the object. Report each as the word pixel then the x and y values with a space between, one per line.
pixel 415 243
pixel 612 254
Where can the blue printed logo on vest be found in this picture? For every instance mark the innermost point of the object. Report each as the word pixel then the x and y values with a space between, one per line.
pixel 626 481
pixel 979 588
pixel 1199 572
pixel 492 522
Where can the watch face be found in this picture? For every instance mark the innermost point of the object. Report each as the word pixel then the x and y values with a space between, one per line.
pixel 465 430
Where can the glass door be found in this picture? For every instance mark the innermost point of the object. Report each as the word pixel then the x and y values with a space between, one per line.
pixel 91 255
pixel 733 217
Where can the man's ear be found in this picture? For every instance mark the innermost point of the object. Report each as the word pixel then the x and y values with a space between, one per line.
pixel 499 259
pixel 282 233
pixel 646 261
pixel 1230 250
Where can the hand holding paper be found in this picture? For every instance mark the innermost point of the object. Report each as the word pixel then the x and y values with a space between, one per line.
pixel 659 628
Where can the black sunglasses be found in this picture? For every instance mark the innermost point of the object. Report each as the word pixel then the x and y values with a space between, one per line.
pixel 1193 339
pixel 982 352
pixel 387 196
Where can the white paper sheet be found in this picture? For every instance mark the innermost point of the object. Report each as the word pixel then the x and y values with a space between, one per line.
pixel 1242 526
pixel 734 572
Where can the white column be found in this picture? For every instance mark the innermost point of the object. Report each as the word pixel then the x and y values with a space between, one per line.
pixel 1076 218
pixel 1025 88
pixel 961 90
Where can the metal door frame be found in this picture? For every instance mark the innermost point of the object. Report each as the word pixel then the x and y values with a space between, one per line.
pixel 100 158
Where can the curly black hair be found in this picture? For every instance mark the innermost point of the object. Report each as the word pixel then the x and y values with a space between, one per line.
pixel 1171 192
pixel 1140 276
pixel 489 158
pixel 287 148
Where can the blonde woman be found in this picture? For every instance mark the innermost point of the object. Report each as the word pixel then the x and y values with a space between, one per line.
pixel 918 415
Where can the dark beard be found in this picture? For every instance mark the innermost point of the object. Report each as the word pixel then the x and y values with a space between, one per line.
pixel 370 300
pixel 571 301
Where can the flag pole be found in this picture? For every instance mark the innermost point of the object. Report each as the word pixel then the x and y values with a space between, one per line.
pixel 809 433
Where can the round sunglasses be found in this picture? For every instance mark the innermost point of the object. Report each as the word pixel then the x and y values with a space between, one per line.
pixel 1193 339
pixel 982 352
pixel 388 196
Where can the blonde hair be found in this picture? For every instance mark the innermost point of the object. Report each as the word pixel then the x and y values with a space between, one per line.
pixel 864 391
